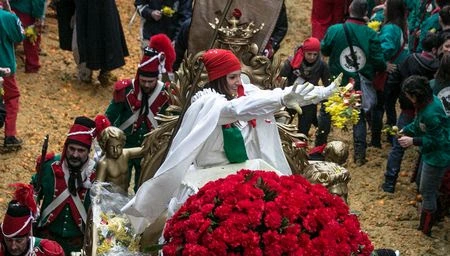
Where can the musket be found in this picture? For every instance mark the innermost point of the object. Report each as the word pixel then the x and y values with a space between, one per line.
pixel 40 167
pixel 197 77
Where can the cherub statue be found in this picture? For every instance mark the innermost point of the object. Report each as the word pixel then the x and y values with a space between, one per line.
pixel 113 165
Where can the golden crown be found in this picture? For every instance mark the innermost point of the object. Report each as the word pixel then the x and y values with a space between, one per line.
pixel 235 32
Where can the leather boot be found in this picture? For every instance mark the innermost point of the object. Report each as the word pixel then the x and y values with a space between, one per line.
pixel 389 184
pixel 426 221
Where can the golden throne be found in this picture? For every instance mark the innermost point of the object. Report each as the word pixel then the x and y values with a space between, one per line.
pixel 256 69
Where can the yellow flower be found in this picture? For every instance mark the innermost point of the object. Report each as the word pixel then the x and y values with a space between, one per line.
pixel 167 11
pixel 31 34
pixel 390 130
pixel 375 25
pixel 343 107
pixel 115 231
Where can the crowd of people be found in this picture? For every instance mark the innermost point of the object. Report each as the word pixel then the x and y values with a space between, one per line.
pixel 406 60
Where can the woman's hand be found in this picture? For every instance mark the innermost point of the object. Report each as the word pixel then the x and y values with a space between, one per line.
pixel 298 94
pixel 390 67
pixel 405 141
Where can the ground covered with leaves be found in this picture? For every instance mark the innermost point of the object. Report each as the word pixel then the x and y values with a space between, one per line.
pixel 51 99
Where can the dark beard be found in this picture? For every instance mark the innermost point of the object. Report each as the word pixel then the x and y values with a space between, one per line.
pixel 75 167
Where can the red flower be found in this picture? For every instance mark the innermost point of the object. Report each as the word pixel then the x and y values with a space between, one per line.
pixel 260 213
pixel 237 13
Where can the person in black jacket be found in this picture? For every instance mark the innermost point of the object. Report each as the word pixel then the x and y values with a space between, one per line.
pixel 158 17
pixel 278 33
pixel 306 66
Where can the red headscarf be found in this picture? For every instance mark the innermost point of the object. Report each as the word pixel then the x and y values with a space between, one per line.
pixel 220 62
pixel 311 44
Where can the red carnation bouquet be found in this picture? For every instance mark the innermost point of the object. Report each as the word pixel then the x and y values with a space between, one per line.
pixel 261 213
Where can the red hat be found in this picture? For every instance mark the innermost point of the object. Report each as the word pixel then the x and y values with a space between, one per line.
pixel 82 132
pixel 20 213
pixel 158 57
pixel 220 62
pixel 311 44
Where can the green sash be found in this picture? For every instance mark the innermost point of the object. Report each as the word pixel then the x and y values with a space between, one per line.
pixel 233 144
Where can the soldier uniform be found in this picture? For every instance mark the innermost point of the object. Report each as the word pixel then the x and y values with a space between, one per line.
pixel 134 111
pixel 16 230
pixel 63 213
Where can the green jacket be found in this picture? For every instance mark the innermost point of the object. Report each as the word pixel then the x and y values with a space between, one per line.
pixel 11 32
pixel 378 16
pixel 431 129
pixel 64 221
pixel 34 8
pixel 121 108
pixel 431 24
pixel 391 37
pixel 419 11
pixel 365 42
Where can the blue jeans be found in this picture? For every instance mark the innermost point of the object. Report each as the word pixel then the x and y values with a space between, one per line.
pixel 430 182
pixel 392 91
pixel 359 132
pixel 377 120
pixel 395 156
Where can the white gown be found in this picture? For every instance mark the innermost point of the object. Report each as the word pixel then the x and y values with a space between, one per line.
pixel 199 141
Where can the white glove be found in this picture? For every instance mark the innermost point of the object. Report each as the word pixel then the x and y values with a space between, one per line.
pixel 325 92
pixel 298 95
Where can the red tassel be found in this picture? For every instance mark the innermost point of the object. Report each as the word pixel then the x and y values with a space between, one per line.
pixel 101 122
pixel 162 43
pixel 24 195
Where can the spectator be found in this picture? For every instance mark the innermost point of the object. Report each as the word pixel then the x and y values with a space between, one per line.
pixel 278 33
pixel 441 84
pixel 159 17
pixel 63 183
pixel 430 130
pixel 3 72
pixel 367 48
pixel 431 24
pixel 11 32
pixel 98 42
pixel 307 66
pixel 326 13
pixel 444 33
pixel 393 36
pixel 31 14
pixel 423 64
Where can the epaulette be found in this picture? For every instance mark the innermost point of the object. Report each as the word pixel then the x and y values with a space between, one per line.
pixel 51 248
pixel 119 90
pixel 48 157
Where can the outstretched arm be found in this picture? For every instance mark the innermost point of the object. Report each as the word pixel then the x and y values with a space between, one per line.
pixel 135 152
